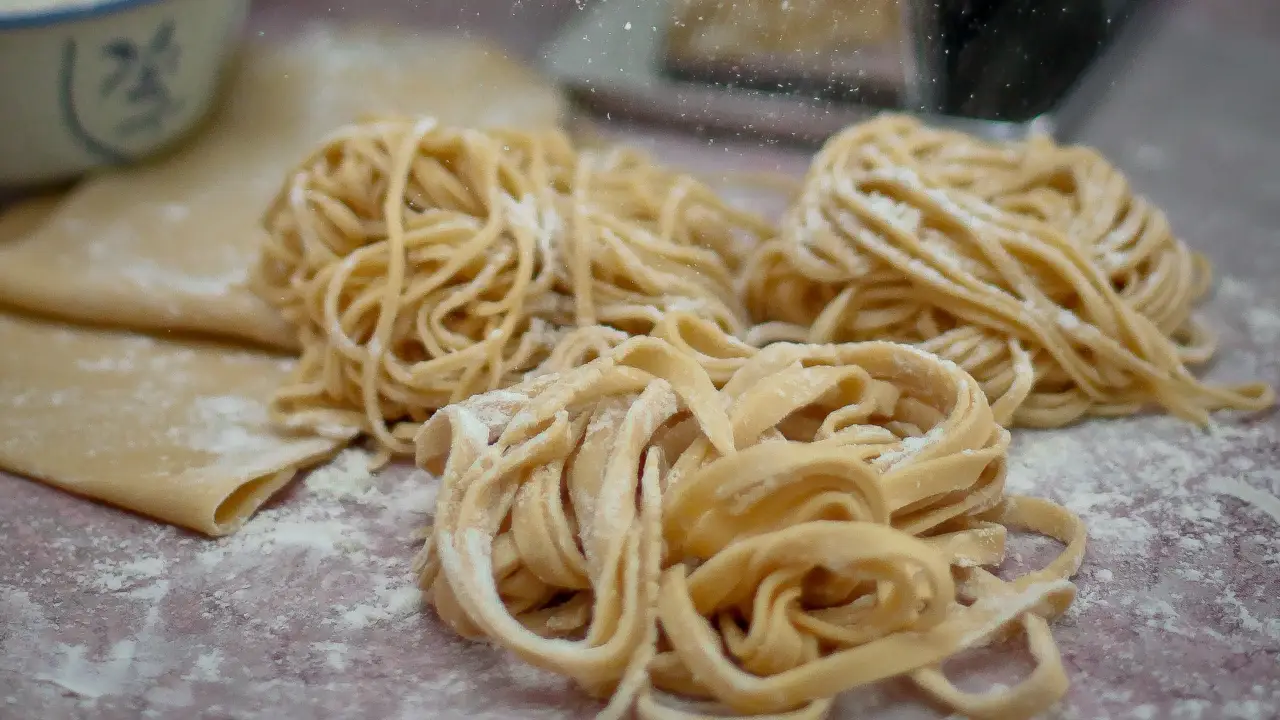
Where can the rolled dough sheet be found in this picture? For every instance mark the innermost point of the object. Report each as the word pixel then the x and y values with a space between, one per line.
pixel 170 245
pixel 178 432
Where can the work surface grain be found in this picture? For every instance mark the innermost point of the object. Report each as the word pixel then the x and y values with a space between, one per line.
pixel 310 611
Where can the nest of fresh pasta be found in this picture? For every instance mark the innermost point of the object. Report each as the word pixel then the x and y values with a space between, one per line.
pixel 817 523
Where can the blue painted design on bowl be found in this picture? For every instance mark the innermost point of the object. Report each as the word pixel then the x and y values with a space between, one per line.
pixel 134 90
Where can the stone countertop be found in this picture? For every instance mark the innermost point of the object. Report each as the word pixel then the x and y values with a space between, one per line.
pixel 310 611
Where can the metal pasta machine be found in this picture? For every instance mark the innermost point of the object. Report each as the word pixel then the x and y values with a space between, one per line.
pixel 802 69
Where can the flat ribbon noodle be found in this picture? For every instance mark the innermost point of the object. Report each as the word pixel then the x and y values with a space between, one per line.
pixel 813 522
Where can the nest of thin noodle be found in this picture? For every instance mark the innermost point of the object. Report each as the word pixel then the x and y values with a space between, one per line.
pixel 1032 266
pixel 818 523
pixel 423 264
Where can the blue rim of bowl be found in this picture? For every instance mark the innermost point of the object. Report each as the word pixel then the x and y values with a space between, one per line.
pixel 41 18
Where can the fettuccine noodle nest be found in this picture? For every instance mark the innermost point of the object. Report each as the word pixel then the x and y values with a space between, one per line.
pixel 819 523
pixel 423 264
pixel 1030 265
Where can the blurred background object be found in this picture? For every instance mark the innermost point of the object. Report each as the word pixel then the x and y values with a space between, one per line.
pixel 805 68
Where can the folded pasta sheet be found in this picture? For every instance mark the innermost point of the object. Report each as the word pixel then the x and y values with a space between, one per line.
pixel 178 432
pixel 170 245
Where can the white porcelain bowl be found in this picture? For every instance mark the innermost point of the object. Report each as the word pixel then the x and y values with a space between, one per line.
pixel 90 83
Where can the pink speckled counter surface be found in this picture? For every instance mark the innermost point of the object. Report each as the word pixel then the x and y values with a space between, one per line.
pixel 310 611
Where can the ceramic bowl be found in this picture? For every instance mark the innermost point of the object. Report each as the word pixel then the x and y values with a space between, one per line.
pixel 91 83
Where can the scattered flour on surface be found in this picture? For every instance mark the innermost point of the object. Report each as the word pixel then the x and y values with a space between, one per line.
pixel 74 671
pixel 1263 324
pixel 313 530
pixel 334 654
pixel 394 599
pixel 1262 500
pixel 206 667
pixel 346 476
pixel 113 577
